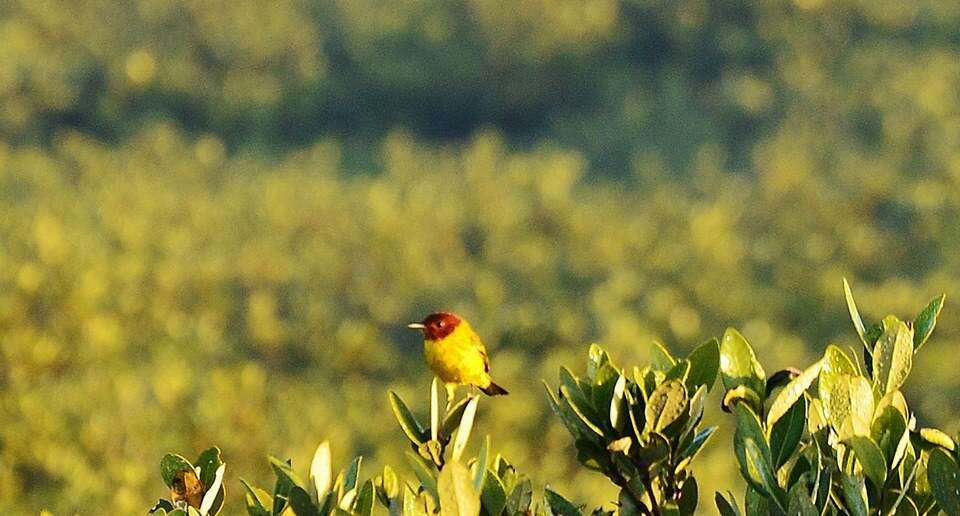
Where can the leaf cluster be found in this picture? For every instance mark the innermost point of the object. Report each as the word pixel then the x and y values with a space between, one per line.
pixel 641 428
pixel 838 437
pixel 196 489
pixel 449 483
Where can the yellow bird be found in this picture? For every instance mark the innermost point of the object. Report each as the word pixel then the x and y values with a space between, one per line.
pixel 455 353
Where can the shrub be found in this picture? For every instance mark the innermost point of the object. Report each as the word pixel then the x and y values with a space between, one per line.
pixel 838 438
pixel 346 494
pixel 642 432
pixel 486 484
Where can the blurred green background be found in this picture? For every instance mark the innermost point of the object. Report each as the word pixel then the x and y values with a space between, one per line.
pixel 216 216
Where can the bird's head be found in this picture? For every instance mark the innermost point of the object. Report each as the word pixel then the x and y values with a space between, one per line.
pixel 437 325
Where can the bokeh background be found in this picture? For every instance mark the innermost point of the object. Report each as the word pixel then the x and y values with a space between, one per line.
pixel 215 216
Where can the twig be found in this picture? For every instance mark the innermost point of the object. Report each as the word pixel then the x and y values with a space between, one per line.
pixel 653 498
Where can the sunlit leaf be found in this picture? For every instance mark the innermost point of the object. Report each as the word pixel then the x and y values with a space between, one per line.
pixel 892 355
pixel 925 321
pixel 855 314
pixel 789 395
pixel 739 365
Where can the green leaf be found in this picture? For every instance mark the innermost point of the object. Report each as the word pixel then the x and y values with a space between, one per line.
pixel 258 501
pixel 452 419
pixel 871 459
pixel 694 416
pixel 761 474
pixel 655 449
pixel 575 387
pixel 739 365
pixel 748 427
pixel 789 395
pixel 597 358
pixel 162 507
pixel 847 402
pixel 424 473
pixel 213 499
pixel 387 486
pixel 592 455
pixel 352 474
pixel 647 379
pixel 799 503
pixel 854 494
pixel 520 498
pixel 855 314
pixel 411 507
pixel 757 504
pixel 493 498
pixel 944 476
pixel 577 428
pixel 559 505
pixel 170 465
pixel 679 371
pixel 667 403
pixel 481 464
pixel 669 508
pixel 207 464
pixel 726 504
pixel 660 358
pixel 704 365
pixel 604 384
pixel 822 481
pixel 699 439
pixel 581 410
pixel 363 506
pixel 286 480
pixel 739 394
pixel 628 507
pixel 618 405
pixel 926 320
pixel 689 495
pixel 896 400
pixel 892 355
pixel 786 433
pixel 408 423
pixel 301 503
pixel 836 361
pixel 888 430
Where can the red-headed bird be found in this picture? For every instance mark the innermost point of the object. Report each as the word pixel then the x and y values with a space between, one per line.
pixel 455 353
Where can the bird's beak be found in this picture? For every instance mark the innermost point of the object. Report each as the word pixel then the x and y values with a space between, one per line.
pixel 416 326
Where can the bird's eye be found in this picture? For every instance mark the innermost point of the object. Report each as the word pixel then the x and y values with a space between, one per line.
pixel 440 324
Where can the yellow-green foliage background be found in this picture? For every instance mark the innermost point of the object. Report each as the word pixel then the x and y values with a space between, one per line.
pixel 215 216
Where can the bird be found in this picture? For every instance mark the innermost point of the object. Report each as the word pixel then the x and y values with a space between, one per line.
pixel 455 353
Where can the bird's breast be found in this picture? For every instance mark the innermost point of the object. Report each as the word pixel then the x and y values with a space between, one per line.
pixel 453 360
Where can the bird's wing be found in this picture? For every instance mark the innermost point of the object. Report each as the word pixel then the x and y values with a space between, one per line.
pixel 483 352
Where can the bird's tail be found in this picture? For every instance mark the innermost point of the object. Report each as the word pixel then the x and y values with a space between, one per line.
pixel 494 390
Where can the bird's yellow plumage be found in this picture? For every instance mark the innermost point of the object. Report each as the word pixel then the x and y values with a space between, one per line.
pixel 459 357
pixel 455 352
